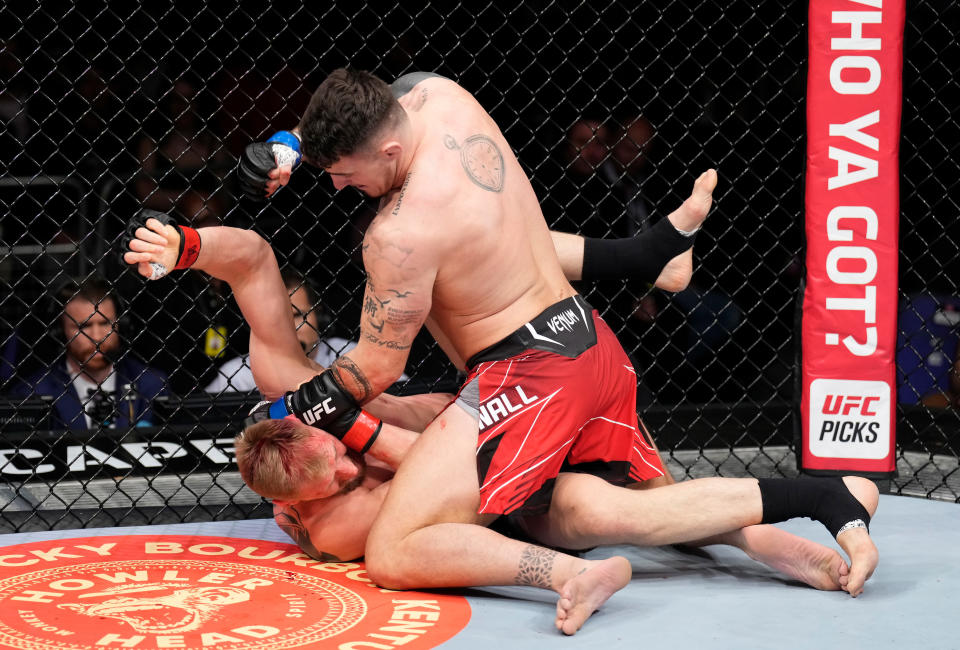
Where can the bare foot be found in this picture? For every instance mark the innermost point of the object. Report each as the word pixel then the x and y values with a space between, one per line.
pixel 856 542
pixel 676 275
pixel 801 559
pixel 584 593
pixel 694 210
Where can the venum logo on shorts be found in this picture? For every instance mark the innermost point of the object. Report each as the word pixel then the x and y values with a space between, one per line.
pixel 849 418
pixel 205 592
pixel 563 322
pixel 503 404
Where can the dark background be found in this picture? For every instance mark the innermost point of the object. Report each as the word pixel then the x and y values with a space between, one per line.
pixel 722 83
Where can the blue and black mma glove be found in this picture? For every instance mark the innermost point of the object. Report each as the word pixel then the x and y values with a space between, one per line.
pixel 283 148
pixel 189 241
pixel 324 404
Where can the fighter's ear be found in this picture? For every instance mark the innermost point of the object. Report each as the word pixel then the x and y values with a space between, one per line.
pixel 391 149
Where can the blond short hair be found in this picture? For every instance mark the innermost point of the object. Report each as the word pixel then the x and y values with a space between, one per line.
pixel 276 458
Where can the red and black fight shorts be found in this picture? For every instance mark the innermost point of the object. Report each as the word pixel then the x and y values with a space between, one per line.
pixel 557 395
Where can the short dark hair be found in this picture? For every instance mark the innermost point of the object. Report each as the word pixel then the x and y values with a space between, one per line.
pixel 348 108
pixel 94 289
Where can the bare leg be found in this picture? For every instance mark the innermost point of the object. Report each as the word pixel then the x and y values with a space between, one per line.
pixel 588 511
pixel 801 559
pixel 427 534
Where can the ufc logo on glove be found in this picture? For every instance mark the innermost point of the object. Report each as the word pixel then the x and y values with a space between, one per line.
pixel 311 416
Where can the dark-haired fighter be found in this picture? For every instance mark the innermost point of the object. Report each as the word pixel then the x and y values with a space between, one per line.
pixel 460 244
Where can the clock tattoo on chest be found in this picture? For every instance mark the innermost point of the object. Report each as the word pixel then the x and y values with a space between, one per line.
pixel 481 159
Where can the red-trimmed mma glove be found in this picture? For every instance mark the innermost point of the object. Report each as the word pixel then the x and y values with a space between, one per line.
pixel 259 158
pixel 322 403
pixel 189 241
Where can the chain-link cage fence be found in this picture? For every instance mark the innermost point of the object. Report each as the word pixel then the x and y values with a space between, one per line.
pixel 612 108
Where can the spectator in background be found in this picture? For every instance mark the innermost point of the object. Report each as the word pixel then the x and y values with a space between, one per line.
pixel 941 330
pixel 582 200
pixel 178 150
pixel 587 200
pixel 235 374
pixel 91 384
pixel 91 127
pixel 631 147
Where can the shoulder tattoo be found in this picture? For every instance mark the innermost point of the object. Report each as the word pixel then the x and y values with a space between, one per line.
pixel 481 159
pixel 289 521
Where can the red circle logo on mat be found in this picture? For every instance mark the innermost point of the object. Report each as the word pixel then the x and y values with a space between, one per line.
pixel 172 591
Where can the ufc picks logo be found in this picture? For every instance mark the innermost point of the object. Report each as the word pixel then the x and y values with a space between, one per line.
pixel 845 404
pixel 849 419
pixel 314 414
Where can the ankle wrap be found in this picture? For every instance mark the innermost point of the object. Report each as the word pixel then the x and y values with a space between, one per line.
pixel 826 500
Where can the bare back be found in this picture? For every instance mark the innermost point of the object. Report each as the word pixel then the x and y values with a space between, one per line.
pixel 468 215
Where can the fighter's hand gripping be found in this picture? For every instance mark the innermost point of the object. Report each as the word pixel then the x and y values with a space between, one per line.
pixel 322 403
pixel 266 166
pixel 156 244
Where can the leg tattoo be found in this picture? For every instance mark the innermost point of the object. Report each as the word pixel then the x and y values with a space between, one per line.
pixel 536 567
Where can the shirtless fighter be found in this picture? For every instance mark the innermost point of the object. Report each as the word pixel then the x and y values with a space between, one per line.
pixel 460 244
pixel 326 497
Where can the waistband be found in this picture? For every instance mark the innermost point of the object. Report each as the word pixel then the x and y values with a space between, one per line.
pixel 565 328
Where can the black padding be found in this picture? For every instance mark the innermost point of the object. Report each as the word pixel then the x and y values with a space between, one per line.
pixel 826 500
pixel 642 257
pixel 404 84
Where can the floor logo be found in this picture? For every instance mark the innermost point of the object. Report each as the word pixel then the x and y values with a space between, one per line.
pixel 206 592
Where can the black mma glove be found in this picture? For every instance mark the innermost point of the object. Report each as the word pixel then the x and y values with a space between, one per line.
pixel 283 148
pixel 189 241
pixel 322 403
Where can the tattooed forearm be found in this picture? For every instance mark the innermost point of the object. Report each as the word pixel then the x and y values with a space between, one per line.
pixel 289 521
pixel 536 567
pixel 352 379
pixel 390 345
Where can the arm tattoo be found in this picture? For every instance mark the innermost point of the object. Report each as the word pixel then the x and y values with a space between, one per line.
pixel 352 379
pixel 380 312
pixel 481 159
pixel 536 567
pixel 390 345
pixel 371 307
pixel 289 522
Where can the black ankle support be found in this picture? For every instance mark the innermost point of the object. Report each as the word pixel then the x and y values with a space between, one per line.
pixel 642 257
pixel 826 500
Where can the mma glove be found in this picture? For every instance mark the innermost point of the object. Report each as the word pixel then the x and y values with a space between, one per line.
pixel 322 403
pixel 189 241
pixel 283 148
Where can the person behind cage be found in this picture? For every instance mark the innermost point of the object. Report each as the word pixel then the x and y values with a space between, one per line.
pixel 91 384
pixel 178 149
pixel 235 373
